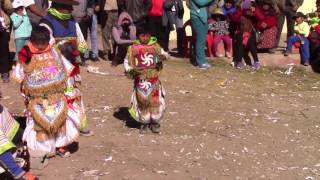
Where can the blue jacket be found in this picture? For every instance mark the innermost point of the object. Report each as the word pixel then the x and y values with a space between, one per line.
pixel 198 8
pixel 227 11
pixel 21 25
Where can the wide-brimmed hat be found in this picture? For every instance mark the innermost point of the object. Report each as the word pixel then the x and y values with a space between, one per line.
pixel 299 14
pixel 217 12
pixel 66 2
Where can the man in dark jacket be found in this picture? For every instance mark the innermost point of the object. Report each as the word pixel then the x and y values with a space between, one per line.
pixel 173 15
pixel 287 9
pixel 36 9
pixel 137 9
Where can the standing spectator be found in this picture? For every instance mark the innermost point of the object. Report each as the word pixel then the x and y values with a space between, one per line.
pixel 137 9
pixel 83 14
pixel 173 15
pixel 301 32
pixel 268 26
pixel 94 32
pixel 5 8
pixel 36 10
pixel 124 33
pixel 199 23
pixel 245 39
pixel 110 7
pixel 21 25
pixel 287 9
pixel 155 22
pixel 220 28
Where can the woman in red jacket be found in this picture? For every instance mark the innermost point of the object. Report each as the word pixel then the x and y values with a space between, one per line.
pixel 268 26
pixel 245 37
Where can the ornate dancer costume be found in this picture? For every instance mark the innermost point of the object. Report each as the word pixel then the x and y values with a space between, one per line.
pixel 43 79
pixel 144 66
pixel 64 29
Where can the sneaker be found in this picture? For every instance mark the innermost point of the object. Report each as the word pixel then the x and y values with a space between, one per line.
pixel 238 65
pixel 219 55
pixel 95 59
pixel 86 133
pixel 306 63
pixel 5 77
pixel 83 63
pixel 143 128
pixel 256 65
pixel 228 55
pixel 287 53
pixel 204 66
pixel 155 128
pixel 62 152
pixel 28 176
pixel 272 51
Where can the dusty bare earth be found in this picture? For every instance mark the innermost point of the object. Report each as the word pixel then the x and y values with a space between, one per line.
pixel 219 124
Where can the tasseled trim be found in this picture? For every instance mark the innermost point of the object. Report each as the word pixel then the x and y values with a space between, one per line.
pixel 41 124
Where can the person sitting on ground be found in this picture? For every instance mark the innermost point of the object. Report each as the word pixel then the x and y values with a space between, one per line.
pixel 143 64
pixel 220 28
pixel 124 33
pixel 268 26
pixel 10 136
pixel 301 30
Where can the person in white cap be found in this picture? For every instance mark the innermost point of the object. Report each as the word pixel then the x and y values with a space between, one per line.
pixel 21 25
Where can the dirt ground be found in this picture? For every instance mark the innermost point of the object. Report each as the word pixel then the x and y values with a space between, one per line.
pixel 219 124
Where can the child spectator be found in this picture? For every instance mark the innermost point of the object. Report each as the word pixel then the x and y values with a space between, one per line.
pixel 21 25
pixel 143 64
pixel 228 7
pixel 301 30
pixel 220 28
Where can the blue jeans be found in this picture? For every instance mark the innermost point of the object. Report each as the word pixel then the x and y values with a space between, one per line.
pixel 304 48
pixel 200 31
pixel 20 42
pixel 10 165
pixel 93 38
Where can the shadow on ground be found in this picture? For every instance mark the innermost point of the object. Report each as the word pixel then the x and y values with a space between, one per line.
pixel 123 114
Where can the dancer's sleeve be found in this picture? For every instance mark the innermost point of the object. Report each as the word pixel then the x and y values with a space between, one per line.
pixel 18 73
pixel 126 63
